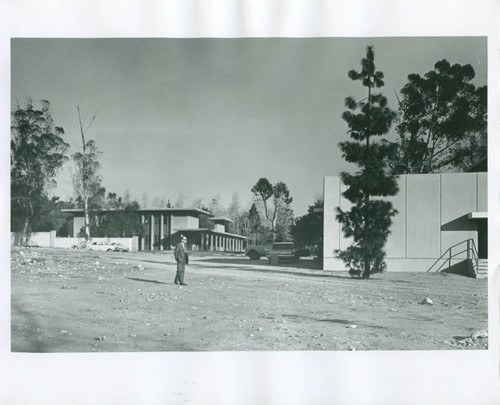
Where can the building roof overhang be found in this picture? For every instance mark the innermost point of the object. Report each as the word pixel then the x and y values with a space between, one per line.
pixel 173 211
pixel 221 219
pixel 210 231
pixel 477 215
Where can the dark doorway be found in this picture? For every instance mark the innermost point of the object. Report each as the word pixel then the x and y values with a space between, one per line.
pixel 482 239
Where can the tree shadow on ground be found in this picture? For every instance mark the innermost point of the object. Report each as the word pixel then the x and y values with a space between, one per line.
pixel 339 321
pixel 277 270
pixel 301 264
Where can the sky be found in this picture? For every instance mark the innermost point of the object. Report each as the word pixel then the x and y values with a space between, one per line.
pixel 206 118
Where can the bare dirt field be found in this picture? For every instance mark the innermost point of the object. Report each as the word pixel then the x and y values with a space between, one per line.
pixel 85 301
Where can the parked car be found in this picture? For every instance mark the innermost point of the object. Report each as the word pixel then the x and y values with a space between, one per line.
pixel 81 245
pixel 106 247
pixel 285 252
pixel 119 247
pixel 255 252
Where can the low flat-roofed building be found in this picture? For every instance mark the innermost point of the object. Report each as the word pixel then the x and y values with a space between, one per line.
pixel 442 220
pixel 164 226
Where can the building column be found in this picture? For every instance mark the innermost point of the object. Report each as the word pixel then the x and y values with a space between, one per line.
pixel 142 238
pixel 152 229
pixel 162 230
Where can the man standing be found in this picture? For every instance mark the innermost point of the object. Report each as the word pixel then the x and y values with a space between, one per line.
pixel 182 258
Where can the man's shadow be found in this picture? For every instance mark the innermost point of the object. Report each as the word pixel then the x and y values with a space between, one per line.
pixel 146 281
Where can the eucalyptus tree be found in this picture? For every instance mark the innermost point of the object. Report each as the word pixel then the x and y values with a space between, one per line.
pixel 275 199
pixel 443 120
pixel 87 181
pixel 38 152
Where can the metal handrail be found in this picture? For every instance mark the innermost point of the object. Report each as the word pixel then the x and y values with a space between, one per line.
pixel 471 250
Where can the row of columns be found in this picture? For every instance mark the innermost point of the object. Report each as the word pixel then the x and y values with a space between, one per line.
pixel 152 222
pixel 221 242
pixel 208 241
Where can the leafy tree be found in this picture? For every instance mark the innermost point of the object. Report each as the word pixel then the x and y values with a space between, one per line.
pixel 112 202
pixel 121 221
pixel 308 229
pixel 181 200
pixel 118 217
pixel 233 212
pixel 369 219
pixel 145 200
pixel 197 203
pixel 443 119
pixel 159 202
pixel 255 225
pixel 127 198
pixel 50 217
pixel 284 223
pixel 251 225
pixel 278 195
pixel 234 209
pixel 86 179
pixel 215 206
pixel 37 153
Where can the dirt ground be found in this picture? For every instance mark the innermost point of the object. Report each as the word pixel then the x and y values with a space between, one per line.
pixel 81 301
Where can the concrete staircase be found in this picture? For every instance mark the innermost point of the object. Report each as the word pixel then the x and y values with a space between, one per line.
pixel 482 268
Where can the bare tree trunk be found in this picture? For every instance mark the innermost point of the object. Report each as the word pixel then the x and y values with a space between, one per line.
pixel 366 270
pixel 273 226
pixel 25 236
pixel 87 225
pixel 86 199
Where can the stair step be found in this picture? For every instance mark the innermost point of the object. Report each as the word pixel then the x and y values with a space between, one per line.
pixel 482 268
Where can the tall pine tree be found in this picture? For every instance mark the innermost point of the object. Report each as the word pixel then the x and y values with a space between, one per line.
pixel 369 219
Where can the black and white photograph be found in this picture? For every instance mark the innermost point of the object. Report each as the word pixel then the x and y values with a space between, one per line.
pixel 187 207
pixel 270 175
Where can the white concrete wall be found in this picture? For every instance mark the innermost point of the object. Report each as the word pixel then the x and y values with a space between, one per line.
pixel 184 222
pixel 431 217
pixel 131 243
pixel 48 239
pixel 193 223
pixel 67 242
pixel 219 228
pixel 42 238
